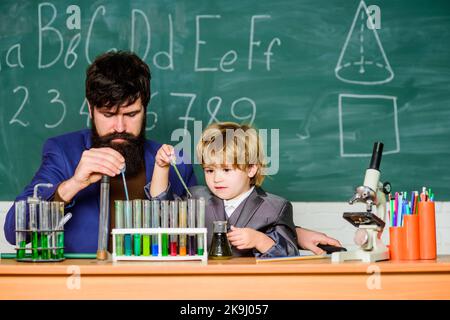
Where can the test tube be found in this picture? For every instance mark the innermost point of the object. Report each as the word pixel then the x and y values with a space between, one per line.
pixel 137 224
pixel 34 232
pixel 21 225
pixel 44 227
pixel 103 225
pixel 146 205
pixel 165 224
pixel 173 207
pixel 119 224
pixel 182 223
pixel 60 233
pixel 200 224
pixel 128 209
pixel 192 242
pixel 155 224
pixel 56 217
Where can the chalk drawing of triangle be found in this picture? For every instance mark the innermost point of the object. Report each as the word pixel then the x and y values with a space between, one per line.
pixel 362 60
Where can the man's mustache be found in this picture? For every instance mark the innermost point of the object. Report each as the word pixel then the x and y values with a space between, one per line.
pixel 125 136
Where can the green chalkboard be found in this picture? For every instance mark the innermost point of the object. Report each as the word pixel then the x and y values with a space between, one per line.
pixel 328 77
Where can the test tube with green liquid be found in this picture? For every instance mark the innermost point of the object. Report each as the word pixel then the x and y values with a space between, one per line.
pixel 182 223
pixel 165 224
pixel 44 228
pixel 147 216
pixel 173 221
pixel 137 224
pixel 21 225
pixel 200 224
pixel 192 242
pixel 118 220
pixel 128 209
pixel 60 233
pixel 34 231
pixel 155 224
pixel 56 216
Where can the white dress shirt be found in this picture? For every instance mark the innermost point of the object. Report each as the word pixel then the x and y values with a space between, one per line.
pixel 231 205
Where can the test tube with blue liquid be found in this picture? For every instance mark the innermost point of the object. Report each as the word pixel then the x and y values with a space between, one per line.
pixel 182 223
pixel 200 224
pixel 173 221
pixel 137 224
pixel 165 224
pixel 21 225
pixel 192 242
pixel 147 218
pixel 155 224
pixel 128 210
pixel 119 224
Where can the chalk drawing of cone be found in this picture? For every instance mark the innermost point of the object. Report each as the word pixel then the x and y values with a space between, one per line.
pixel 362 59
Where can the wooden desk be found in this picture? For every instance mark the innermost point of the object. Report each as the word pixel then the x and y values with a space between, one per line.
pixel 239 278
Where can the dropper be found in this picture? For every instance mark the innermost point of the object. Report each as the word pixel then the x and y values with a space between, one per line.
pixel 174 165
pixel 124 181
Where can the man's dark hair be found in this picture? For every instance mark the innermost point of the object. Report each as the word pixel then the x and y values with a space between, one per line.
pixel 117 79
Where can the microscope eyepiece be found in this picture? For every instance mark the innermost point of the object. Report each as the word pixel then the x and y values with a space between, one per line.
pixel 376 156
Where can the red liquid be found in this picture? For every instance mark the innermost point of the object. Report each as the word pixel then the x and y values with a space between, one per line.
pixel 173 248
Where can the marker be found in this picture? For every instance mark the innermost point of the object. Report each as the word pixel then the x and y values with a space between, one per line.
pixel 400 212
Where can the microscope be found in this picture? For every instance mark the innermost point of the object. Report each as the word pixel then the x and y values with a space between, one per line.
pixel 370 226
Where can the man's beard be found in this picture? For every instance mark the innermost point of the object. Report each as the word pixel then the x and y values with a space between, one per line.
pixel 132 149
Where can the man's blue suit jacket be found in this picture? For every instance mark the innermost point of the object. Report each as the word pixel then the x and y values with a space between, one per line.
pixel 60 158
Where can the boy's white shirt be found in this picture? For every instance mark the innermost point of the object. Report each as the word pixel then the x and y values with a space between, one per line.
pixel 231 205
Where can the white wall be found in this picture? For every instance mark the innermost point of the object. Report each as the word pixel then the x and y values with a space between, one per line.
pixel 320 216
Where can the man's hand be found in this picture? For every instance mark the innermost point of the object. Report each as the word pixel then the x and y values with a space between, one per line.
pixel 308 240
pixel 94 163
pixel 165 155
pixel 247 238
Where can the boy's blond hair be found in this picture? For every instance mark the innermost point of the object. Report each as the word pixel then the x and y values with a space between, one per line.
pixel 229 143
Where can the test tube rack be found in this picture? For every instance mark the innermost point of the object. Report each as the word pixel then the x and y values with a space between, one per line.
pixel 159 232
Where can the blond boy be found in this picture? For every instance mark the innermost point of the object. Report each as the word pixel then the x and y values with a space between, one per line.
pixel 233 162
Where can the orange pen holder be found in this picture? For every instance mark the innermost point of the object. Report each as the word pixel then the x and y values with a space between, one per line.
pixel 416 240
pixel 397 243
pixel 427 227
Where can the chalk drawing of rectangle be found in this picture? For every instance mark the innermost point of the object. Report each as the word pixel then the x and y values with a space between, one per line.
pixel 374 101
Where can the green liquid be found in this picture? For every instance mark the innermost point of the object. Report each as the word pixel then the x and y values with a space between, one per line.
pixel 34 245
pixel 146 245
pixel 119 245
pixel 137 244
pixel 21 252
pixel 44 246
pixel 165 244
pixel 60 245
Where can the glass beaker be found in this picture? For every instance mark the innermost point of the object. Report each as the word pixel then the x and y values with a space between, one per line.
pixel 220 246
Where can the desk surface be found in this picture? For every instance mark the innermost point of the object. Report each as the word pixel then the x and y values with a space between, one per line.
pixel 238 278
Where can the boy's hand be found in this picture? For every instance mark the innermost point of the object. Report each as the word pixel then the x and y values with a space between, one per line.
pixel 247 238
pixel 165 155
